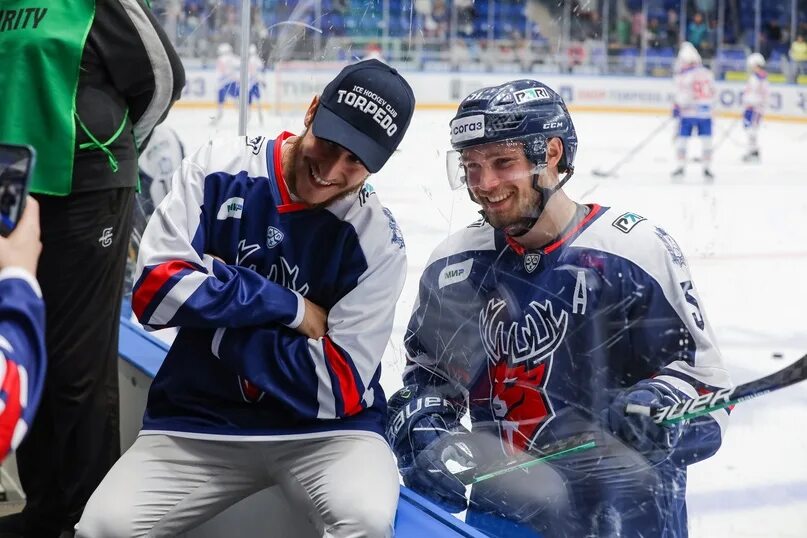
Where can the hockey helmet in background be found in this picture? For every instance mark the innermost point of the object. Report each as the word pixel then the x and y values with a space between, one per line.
pixel 688 54
pixel 253 50
pixel 224 48
pixel 754 61
pixel 523 110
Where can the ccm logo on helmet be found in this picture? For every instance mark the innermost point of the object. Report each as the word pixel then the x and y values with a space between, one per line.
pixel 467 128
pixel 553 125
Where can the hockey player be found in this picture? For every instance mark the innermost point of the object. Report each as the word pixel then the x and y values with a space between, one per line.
pixel 22 330
pixel 543 320
pixel 694 94
pixel 281 269
pixel 755 98
pixel 255 66
pixel 227 66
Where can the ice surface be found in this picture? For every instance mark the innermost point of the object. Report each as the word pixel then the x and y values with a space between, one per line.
pixel 746 240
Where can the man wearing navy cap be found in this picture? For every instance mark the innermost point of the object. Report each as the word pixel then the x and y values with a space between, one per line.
pixel 281 269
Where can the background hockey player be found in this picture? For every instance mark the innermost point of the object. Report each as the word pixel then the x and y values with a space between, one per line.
pixel 544 320
pixel 281 268
pixel 22 330
pixel 693 102
pixel 755 98
pixel 227 66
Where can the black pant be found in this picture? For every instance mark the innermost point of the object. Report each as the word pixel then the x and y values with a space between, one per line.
pixel 74 439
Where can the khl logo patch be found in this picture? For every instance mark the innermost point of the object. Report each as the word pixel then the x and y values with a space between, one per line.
pixel 273 237
pixel 531 261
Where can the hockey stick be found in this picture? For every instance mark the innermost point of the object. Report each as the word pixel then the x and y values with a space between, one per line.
pixel 550 451
pixel 719 399
pixel 630 154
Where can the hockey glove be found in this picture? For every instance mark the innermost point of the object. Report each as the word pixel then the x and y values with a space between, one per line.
pixel 676 112
pixel 425 433
pixel 652 440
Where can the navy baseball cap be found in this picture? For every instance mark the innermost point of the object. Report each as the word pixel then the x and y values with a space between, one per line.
pixel 366 109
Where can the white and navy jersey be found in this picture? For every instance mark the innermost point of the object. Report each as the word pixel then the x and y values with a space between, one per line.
pixel 22 354
pixel 695 92
pixel 755 93
pixel 228 257
pixel 529 339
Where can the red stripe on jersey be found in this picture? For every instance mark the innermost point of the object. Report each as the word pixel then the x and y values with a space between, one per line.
pixel 13 410
pixel 277 162
pixel 155 280
pixel 351 399
pixel 287 205
pixel 595 208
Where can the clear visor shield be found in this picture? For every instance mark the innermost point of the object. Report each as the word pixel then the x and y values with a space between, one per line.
pixel 508 161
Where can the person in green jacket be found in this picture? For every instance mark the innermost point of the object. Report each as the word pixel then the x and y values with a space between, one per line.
pixel 84 82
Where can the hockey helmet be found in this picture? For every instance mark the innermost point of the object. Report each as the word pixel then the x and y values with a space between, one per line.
pixel 755 60
pixel 688 54
pixel 224 48
pixel 521 110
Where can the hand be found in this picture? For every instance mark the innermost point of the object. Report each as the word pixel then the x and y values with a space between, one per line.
pixel 22 247
pixel 654 441
pixel 315 321
pixel 422 462
pixel 676 111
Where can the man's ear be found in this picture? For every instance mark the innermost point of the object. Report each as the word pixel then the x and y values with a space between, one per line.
pixel 312 109
pixel 554 152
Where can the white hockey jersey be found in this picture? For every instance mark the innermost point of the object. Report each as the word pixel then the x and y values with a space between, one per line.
pixel 695 92
pixel 755 93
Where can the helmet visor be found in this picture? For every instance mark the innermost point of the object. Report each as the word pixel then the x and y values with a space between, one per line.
pixel 509 160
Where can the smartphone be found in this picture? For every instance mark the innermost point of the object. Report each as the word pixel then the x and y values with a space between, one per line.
pixel 16 165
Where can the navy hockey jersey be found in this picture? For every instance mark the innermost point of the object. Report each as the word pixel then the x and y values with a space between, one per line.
pixel 228 257
pixel 533 340
pixel 22 354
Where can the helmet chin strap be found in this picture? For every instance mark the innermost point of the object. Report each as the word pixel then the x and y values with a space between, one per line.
pixel 526 224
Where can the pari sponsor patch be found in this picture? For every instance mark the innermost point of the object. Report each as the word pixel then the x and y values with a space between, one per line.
pixel 456 272
pixel 371 104
pixel 231 209
pixel 530 94
pixel 627 221
pixel 467 128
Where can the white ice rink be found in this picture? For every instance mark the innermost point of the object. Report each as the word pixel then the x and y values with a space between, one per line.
pixel 746 240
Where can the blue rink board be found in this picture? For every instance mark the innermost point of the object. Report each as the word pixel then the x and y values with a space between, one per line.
pixel 416 518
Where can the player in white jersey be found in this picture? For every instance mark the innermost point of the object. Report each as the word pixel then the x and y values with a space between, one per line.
pixel 255 66
pixel 694 94
pixel 755 98
pixel 227 66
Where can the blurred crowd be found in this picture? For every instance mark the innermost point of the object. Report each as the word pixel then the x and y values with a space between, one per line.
pixel 608 34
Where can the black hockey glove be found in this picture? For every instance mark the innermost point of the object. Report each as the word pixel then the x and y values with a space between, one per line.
pixel 425 433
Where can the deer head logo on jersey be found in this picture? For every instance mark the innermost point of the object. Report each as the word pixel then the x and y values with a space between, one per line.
pixel 520 353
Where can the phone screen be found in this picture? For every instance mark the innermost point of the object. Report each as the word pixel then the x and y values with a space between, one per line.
pixel 16 163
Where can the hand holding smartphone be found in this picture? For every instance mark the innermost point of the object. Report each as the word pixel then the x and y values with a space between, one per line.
pixel 19 222
pixel 16 165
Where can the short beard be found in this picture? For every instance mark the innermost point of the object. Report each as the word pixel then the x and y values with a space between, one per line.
pixel 291 182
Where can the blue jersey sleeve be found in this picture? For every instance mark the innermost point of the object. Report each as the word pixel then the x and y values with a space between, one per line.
pixel 178 283
pixel 22 354
pixel 335 376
